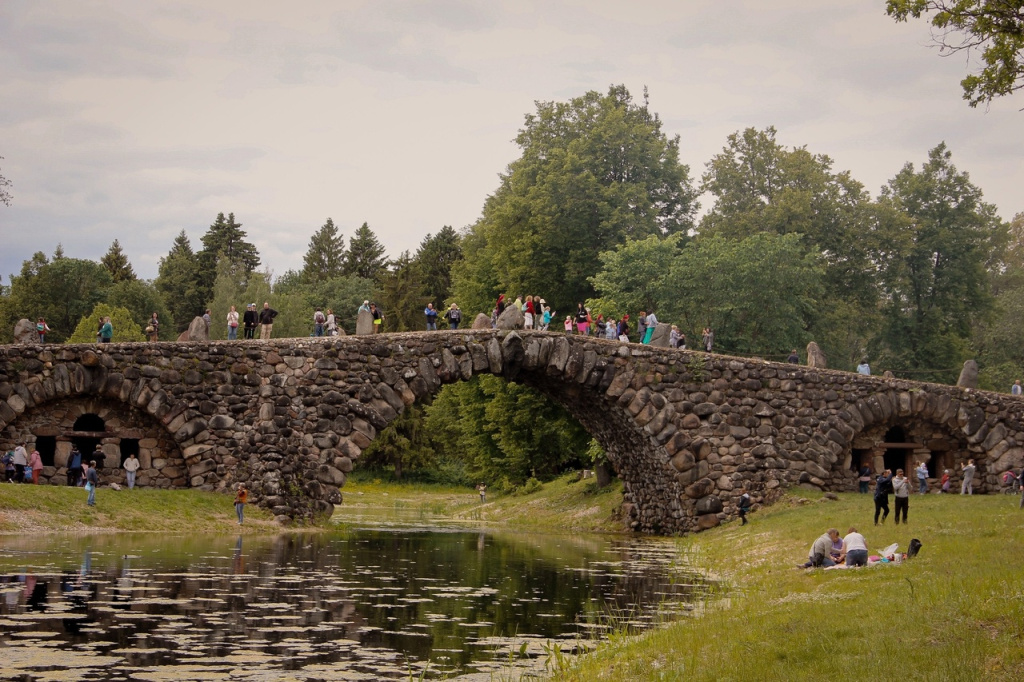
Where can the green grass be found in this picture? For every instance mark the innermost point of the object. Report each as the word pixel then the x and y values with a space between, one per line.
pixel 956 612
pixel 562 505
pixel 44 508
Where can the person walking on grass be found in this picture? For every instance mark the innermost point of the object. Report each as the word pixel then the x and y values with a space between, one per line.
pixel 131 466
pixel 901 495
pixel 967 487
pixel 744 506
pixel 20 462
pixel 92 481
pixel 883 486
pixel 241 497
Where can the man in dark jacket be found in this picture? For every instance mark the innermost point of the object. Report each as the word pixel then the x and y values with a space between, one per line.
pixel 267 316
pixel 250 320
pixel 883 486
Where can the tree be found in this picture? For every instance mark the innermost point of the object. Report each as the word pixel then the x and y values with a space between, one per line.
pixel 632 276
pixel 125 328
pixel 758 294
pixel 402 445
pixel 343 295
pixel 117 264
pixel 403 296
pixel 761 186
pixel 325 257
pixel 142 299
pixel 224 239
pixel 178 281
pixel 995 28
pixel 365 256
pixel 5 193
pixel 593 172
pixel 62 290
pixel 938 235
pixel 434 260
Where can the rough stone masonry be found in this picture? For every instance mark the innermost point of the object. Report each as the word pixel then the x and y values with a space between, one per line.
pixel 686 431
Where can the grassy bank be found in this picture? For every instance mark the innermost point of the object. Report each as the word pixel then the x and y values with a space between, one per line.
pixel 563 505
pixel 44 508
pixel 954 613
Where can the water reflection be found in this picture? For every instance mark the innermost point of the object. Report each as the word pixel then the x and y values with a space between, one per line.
pixel 366 604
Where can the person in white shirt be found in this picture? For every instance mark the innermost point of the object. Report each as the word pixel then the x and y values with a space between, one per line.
pixel 855 548
pixel 131 465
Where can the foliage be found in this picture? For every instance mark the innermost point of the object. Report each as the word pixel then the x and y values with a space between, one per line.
pixel 224 240
pixel 228 290
pixel 995 28
pixel 343 295
pixel 142 299
pixel 593 172
pixel 633 276
pixel 325 257
pixel 937 236
pixel 62 290
pixel 366 257
pixel 434 259
pixel 117 264
pixel 5 193
pixel 179 282
pixel 125 328
pixel 761 186
pixel 402 446
pixel 996 338
pixel 505 431
pixel 403 296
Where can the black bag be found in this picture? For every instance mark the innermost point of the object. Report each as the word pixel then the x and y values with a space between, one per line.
pixel 914 548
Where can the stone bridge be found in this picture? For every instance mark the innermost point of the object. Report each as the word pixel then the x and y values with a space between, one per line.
pixel 685 430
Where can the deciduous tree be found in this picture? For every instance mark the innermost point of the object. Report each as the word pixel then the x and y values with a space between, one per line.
pixel 993 29
pixel 593 172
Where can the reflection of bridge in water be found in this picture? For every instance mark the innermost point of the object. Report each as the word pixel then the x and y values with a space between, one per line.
pixel 684 430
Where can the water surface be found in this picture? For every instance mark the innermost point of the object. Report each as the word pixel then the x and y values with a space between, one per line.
pixel 364 604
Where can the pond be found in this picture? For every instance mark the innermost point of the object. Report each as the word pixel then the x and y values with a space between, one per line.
pixel 362 604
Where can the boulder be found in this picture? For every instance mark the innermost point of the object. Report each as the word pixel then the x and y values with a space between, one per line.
pixel 815 358
pixel 197 331
pixel 660 336
pixel 25 332
pixel 364 322
pixel 512 318
pixel 481 321
pixel 968 375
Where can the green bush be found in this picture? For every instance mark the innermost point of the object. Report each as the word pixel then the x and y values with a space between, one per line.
pixel 125 328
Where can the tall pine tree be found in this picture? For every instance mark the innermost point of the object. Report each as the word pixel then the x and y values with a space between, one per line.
pixel 434 260
pixel 325 257
pixel 365 255
pixel 226 239
pixel 117 264
pixel 178 281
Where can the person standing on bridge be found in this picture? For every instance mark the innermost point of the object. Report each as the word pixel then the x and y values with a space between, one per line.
pixel 707 339
pixel 249 320
pixel 883 486
pixel 232 324
pixel 106 332
pixel 454 316
pixel 651 323
pixel 864 368
pixel 431 314
pixel 319 319
pixel 794 358
pixel 1016 388
pixel 153 328
pixel 267 316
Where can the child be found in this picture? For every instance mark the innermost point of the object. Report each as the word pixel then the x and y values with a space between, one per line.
pixel 568 324
pixel 945 481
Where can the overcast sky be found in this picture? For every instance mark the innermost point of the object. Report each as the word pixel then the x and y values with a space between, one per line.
pixel 135 120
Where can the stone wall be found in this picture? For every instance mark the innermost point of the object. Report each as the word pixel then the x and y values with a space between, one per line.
pixel 686 431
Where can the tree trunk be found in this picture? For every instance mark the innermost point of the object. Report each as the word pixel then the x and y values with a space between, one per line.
pixel 603 474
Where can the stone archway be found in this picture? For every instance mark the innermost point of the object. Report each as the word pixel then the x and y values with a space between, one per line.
pixel 115 427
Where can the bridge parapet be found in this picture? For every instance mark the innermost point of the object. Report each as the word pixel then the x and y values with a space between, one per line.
pixel 687 431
